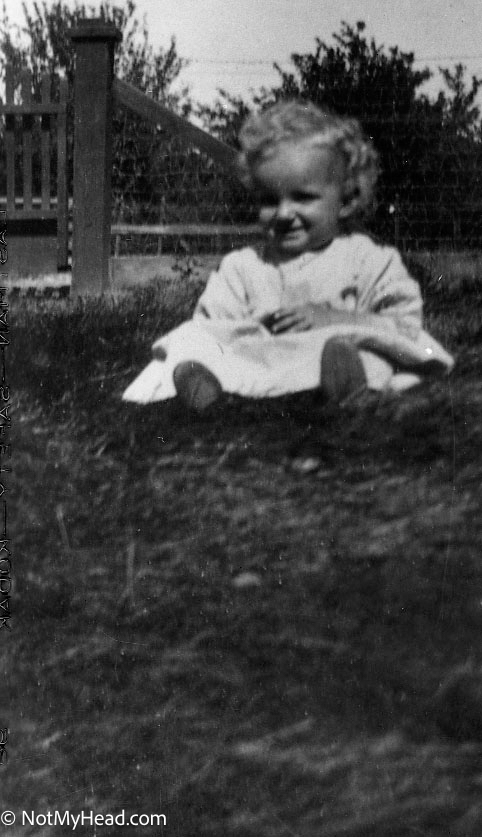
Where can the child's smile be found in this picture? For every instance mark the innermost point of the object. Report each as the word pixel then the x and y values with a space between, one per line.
pixel 300 191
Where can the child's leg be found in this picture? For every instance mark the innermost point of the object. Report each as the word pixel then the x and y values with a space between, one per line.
pixel 196 386
pixel 381 375
pixel 346 370
pixel 378 371
pixel 342 372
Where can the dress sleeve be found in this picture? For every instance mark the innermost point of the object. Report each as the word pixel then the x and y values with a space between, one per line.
pixel 226 295
pixel 387 289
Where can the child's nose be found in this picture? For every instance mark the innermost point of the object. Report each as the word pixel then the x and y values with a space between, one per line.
pixel 284 209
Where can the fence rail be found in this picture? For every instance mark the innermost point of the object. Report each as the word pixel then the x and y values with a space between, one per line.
pixel 185 229
pixel 185 131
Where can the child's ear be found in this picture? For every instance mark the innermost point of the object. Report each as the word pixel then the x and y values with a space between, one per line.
pixel 350 204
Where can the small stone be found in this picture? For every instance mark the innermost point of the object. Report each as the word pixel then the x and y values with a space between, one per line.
pixel 247 579
pixel 306 466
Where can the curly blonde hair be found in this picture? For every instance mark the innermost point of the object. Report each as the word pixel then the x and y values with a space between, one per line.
pixel 301 122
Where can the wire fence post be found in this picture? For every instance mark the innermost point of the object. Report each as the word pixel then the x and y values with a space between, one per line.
pixel 396 220
pixel 94 41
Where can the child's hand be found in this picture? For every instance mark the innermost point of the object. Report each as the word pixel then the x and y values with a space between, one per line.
pixel 304 318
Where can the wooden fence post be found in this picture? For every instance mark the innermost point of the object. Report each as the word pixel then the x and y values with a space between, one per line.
pixel 94 42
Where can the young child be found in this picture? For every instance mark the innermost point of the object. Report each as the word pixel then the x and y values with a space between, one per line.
pixel 323 306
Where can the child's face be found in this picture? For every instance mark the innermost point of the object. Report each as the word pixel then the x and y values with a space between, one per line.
pixel 300 193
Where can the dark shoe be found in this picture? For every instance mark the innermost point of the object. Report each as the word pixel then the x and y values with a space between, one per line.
pixel 196 386
pixel 342 372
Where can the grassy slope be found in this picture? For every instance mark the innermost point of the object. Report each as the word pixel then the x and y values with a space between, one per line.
pixel 146 676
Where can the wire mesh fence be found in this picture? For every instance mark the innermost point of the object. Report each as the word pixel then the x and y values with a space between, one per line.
pixel 196 205
pixel 429 194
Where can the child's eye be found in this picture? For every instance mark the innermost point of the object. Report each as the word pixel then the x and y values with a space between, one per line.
pixel 303 197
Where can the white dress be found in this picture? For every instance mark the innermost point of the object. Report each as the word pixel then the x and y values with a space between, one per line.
pixel 352 274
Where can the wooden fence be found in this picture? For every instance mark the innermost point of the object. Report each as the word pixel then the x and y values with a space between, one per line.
pixel 95 91
pixel 39 222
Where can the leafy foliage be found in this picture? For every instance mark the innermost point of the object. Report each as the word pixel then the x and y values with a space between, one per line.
pixel 44 46
pixel 225 117
pixel 355 77
pixel 430 151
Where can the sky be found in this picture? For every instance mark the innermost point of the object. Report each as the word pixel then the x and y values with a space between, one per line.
pixel 233 43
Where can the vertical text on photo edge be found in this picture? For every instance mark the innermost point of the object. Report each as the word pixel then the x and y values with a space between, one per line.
pixel 5 448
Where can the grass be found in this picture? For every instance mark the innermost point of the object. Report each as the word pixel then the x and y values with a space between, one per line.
pixel 261 622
